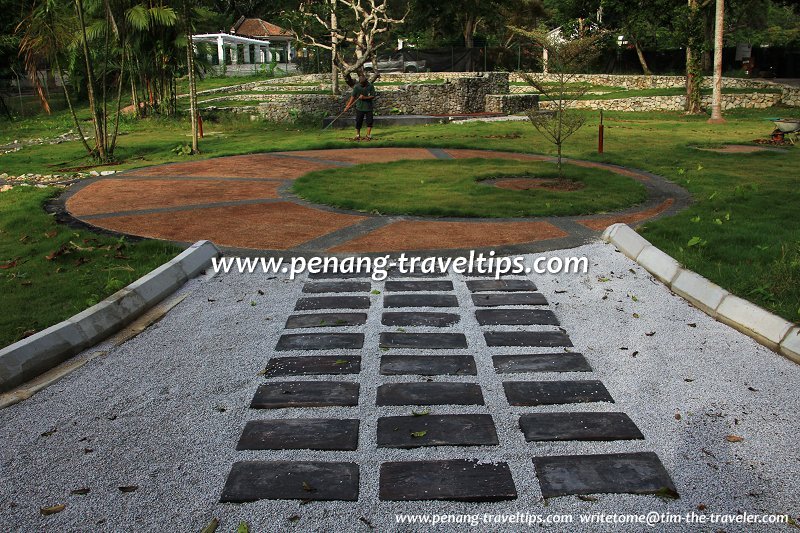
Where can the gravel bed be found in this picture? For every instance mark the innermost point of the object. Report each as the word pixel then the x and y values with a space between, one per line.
pixel 163 413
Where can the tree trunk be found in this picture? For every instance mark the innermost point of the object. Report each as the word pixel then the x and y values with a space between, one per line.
pixel 119 102
pixel 469 40
pixel 71 109
pixel 642 60
pixel 334 45
pixel 100 148
pixel 693 76
pixel 192 86
pixel 716 99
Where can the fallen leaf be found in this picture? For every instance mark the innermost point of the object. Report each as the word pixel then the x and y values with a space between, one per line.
pixel 260 292
pixel 424 412
pixel 734 438
pixel 650 334
pixel 701 507
pixel 294 518
pixel 243 528
pixel 587 498
pixel 635 315
pixel 688 380
pixel 48 433
pixel 46 511
pixel 752 389
pixel 342 361
pixel 211 527
pixel 418 434
pixel 677 416
pixel 10 264
pixel 129 488
pixel 692 325
pixel 80 492
pixel 51 234
pixel 307 487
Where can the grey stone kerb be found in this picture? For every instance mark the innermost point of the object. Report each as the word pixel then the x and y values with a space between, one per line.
pixel 766 328
pixel 44 350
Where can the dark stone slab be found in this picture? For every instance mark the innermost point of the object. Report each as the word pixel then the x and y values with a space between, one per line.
pixel 541 362
pixel 578 426
pixel 516 317
pixel 420 300
pixel 332 302
pixel 305 394
pixel 336 286
pixel 430 394
pixel 418 286
pixel 312 365
pixel 300 434
pixel 501 285
pixel 428 365
pixel 291 480
pixel 436 430
pixel 555 392
pixel 436 320
pixel 618 473
pixel 339 275
pixel 320 341
pixel 417 273
pixel 514 298
pixel 527 338
pixel 457 480
pixel 424 341
pixel 326 320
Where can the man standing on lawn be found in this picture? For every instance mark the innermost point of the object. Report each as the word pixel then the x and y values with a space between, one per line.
pixel 363 96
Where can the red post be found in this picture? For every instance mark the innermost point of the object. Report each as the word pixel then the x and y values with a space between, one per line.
pixel 200 125
pixel 600 135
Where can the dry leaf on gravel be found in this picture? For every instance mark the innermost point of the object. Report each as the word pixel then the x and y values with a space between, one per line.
pixel 46 511
pixel 734 438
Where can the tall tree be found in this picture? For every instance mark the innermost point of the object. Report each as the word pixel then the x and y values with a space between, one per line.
pixel 716 97
pixel 357 37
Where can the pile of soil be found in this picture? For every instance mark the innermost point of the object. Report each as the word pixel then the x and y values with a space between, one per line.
pixel 525 183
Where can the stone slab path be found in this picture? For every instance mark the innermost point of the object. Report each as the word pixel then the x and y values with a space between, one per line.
pixel 244 203
pixel 416 377
pixel 202 407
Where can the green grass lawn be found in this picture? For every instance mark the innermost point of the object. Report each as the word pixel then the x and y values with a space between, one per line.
pixel 454 188
pixel 49 272
pixel 743 225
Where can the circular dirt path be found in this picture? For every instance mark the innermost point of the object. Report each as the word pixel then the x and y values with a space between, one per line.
pixel 245 203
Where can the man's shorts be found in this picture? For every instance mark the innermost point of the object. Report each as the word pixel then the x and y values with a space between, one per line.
pixel 360 116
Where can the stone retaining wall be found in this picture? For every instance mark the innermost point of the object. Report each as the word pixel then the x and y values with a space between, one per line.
pixel 511 103
pixel 456 96
pixel 673 103
pixel 628 81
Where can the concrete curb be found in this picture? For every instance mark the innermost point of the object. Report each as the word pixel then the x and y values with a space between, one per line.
pixel 42 351
pixel 766 328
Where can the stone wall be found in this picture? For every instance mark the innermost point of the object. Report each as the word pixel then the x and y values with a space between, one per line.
pixel 628 81
pixel 673 103
pixel 510 104
pixel 456 96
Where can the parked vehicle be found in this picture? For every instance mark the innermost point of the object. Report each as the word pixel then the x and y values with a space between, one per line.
pixel 396 65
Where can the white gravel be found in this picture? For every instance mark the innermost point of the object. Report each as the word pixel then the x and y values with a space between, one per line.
pixel 164 412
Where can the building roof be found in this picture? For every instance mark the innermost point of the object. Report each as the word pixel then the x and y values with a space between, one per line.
pixel 257 28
